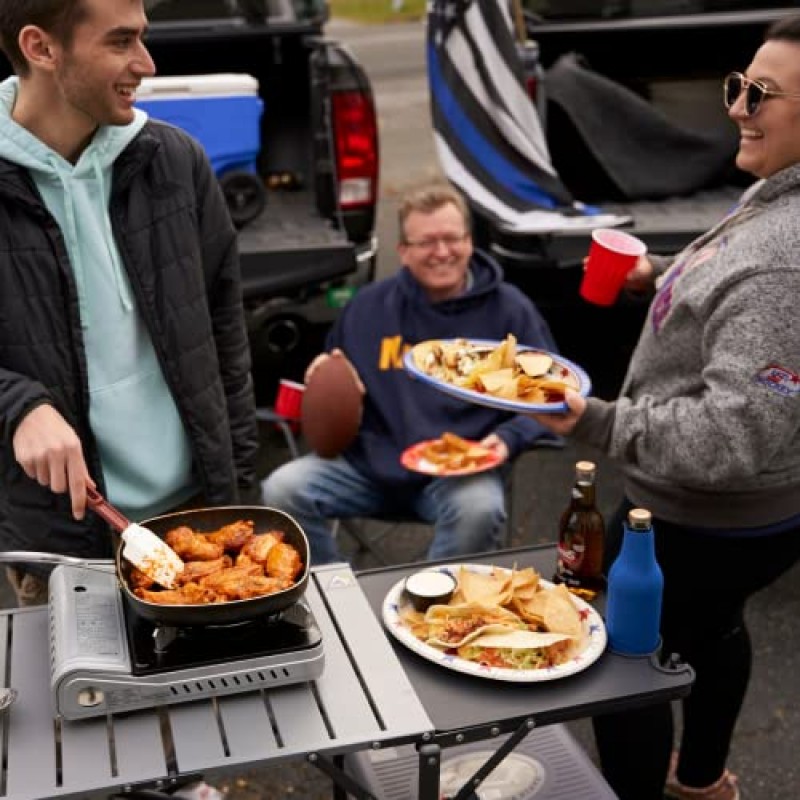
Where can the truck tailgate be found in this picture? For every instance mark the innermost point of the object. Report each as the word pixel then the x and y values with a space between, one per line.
pixel 290 246
pixel 665 225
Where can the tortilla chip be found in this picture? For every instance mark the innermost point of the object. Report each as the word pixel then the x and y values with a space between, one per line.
pixel 414 621
pixel 560 613
pixel 509 351
pixel 534 365
pixel 524 583
pixel 523 612
pixel 533 604
pixel 493 589
pixel 494 381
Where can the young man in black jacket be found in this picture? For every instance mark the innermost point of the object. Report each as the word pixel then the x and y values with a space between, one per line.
pixel 124 361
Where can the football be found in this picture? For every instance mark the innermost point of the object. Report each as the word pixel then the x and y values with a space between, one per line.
pixel 331 410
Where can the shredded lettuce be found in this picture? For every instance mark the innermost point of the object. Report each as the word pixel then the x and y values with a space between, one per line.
pixel 511 658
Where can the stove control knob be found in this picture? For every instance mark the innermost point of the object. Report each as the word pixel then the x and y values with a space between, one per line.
pixel 90 697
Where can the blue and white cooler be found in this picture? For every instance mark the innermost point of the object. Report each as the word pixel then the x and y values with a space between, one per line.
pixel 223 112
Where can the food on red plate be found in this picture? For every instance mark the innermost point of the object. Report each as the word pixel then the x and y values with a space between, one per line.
pixel 450 453
pixel 331 410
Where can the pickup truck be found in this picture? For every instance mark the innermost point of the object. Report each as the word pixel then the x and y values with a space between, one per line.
pixel 674 54
pixel 314 242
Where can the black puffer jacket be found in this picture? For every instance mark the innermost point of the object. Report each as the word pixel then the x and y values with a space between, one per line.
pixel 179 249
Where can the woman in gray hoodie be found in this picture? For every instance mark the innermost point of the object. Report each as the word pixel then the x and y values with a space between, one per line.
pixel 707 433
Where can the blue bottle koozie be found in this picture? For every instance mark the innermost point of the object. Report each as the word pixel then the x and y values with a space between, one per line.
pixel 635 589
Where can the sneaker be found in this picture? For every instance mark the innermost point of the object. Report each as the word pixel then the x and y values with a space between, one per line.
pixel 724 789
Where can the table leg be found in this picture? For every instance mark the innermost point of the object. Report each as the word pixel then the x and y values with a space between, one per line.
pixel 467 791
pixel 341 780
pixel 430 758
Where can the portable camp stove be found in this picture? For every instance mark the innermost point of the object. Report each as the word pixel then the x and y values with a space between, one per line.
pixel 105 658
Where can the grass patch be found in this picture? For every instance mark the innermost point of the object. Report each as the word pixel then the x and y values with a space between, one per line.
pixel 378 11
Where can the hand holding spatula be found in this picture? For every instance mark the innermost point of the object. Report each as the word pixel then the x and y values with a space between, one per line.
pixel 142 548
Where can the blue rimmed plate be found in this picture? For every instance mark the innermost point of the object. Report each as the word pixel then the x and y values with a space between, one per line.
pixel 593 642
pixel 562 369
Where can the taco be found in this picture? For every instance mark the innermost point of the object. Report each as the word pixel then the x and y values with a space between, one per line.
pixel 454 626
pixel 518 649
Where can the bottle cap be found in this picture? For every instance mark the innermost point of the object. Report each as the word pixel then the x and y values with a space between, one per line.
pixel 640 519
pixel 585 469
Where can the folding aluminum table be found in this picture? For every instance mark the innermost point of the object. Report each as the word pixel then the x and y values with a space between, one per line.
pixel 362 700
pixel 371 695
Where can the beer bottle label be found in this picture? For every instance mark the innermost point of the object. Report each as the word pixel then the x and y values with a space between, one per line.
pixel 570 554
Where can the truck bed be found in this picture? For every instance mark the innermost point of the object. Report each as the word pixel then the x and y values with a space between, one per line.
pixel 676 220
pixel 665 225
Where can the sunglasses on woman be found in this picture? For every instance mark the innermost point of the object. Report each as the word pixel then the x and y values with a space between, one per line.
pixel 755 92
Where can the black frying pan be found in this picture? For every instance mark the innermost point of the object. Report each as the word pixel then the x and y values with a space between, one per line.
pixel 206 520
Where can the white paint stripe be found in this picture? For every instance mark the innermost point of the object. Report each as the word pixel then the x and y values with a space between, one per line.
pixel 518 120
pixel 535 221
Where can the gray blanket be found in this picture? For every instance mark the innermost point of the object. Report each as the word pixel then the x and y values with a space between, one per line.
pixel 641 152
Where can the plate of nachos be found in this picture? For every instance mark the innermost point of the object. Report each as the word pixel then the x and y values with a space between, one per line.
pixel 498 374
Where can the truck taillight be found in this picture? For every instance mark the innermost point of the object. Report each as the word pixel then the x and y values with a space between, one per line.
pixel 531 87
pixel 356 134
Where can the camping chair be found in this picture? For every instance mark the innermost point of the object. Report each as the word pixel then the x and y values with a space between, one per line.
pixel 370 533
pixel 283 424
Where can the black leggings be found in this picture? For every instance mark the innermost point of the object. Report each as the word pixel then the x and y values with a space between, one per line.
pixel 707 581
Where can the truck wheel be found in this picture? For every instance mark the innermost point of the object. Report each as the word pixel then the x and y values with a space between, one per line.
pixel 245 195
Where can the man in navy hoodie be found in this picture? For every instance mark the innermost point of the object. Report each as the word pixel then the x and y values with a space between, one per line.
pixel 443 290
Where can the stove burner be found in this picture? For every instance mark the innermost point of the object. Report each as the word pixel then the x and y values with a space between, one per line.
pixel 162 648
pixel 165 635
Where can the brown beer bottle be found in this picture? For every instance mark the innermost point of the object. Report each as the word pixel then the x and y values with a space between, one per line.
pixel 581 535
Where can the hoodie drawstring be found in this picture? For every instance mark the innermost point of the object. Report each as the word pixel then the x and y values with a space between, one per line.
pixel 120 279
pixel 71 236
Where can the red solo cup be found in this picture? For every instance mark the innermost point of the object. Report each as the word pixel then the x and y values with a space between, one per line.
pixel 612 256
pixel 289 399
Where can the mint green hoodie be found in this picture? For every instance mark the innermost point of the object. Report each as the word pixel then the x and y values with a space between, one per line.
pixel 144 450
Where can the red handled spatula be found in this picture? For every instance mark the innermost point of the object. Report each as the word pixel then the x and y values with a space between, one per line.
pixel 142 548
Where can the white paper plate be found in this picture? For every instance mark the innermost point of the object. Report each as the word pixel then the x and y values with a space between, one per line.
pixel 563 370
pixel 594 638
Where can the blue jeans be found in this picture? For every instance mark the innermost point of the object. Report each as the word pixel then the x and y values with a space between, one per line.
pixel 468 513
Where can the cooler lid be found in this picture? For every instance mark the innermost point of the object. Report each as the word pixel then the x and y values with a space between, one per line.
pixel 221 84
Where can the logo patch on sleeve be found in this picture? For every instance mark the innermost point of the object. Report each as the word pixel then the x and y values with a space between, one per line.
pixel 779 379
